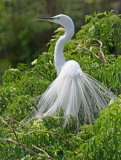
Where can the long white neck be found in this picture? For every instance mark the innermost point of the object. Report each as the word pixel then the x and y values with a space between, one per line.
pixel 58 53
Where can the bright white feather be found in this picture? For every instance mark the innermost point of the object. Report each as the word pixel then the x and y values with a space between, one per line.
pixel 80 95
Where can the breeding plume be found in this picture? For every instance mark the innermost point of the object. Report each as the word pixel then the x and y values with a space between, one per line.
pixel 79 94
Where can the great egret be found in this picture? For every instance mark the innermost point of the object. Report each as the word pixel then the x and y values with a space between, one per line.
pixel 79 94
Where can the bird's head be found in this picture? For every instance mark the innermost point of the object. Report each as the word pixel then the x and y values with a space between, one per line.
pixel 61 19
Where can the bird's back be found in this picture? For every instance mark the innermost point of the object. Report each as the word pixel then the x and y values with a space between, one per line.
pixel 71 69
pixel 78 94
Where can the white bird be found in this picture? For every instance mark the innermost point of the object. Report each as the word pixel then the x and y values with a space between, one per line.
pixel 79 94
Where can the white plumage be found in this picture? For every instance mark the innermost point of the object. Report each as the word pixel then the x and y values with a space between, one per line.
pixel 79 94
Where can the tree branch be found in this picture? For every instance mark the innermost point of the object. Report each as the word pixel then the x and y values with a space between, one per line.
pixel 37 131
pixel 27 148
pixel 23 145
pixel 103 56
pixel 100 49
pixel 89 51
pixel 12 130
pixel 47 155
pixel 57 134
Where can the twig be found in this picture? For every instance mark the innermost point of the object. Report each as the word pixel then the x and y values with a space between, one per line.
pixel 5 130
pixel 47 155
pixel 28 149
pixel 89 51
pixel 101 44
pixel 83 43
pixel 12 129
pixel 49 133
pixel 100 49
pixel 65 140
pixel 37 131
pixel 10 125
pixel 23 145
pixel 25 134
pixel 5 122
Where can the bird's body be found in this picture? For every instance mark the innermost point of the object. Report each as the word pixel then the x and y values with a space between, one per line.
pixel 79 94
pixel 71 69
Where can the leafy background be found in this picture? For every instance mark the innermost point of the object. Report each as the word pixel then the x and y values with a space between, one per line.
pixel 22 85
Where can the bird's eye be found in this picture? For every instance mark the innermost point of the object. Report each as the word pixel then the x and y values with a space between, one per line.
pixel 56 18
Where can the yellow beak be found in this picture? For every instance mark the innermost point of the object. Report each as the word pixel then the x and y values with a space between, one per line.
pixel 44 19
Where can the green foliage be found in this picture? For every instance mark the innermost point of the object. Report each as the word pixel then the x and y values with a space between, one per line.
pixel 105 142
pixel 22 88
pixel 20 84
pixel 102 140
pixel 45 66
pixel 104 27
